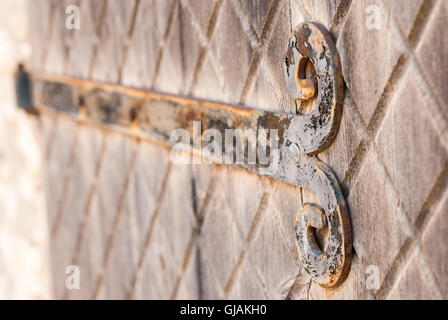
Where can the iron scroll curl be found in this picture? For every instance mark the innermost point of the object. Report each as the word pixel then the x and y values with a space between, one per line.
pixel 312 133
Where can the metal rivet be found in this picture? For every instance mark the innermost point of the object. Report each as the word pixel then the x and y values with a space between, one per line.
pixel 295 151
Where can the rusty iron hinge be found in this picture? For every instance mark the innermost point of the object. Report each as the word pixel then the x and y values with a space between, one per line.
pixel 314 78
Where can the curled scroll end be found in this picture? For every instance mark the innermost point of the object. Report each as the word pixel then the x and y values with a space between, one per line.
pixel 327 266
pixel 311 47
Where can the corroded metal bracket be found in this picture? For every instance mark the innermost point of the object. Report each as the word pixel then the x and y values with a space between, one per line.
pixel 300 136
pixel 311 46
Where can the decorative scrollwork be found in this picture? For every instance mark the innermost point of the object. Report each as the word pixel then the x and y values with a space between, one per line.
pixel 311 133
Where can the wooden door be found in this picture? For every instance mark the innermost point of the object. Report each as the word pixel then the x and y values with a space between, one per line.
pixel 141 227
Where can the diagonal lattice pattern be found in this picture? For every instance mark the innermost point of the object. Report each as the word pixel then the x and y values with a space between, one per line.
pixel 144 229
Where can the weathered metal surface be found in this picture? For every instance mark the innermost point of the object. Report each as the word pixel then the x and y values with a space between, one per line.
pixel 300 136
pixel 310 41
pixel 314 132
pixel 24 91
